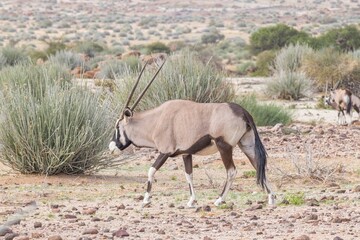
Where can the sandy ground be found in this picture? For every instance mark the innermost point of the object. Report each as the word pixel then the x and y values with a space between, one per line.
pixel 315 161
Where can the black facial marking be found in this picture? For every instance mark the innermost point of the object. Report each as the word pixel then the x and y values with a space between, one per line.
pixel 116 139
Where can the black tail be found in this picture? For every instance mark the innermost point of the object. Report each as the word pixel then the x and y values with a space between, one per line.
pixel 260 154
pixel 349 105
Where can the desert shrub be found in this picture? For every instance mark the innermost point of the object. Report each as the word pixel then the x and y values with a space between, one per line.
pixel 10 56
pixel 276 37
pixel 290 58
pixel 88 48
pixel 134 63
pixel 289 85
pixel 36 54
pixel 245 67
pixel 326 66
pixel 211 37
pixel 182 77
pixel 344 38
pixel 264 63
pixel 157 47
pixel 68 59
pixel 265 114
pixel 51 128
pixel 54 47
pixel 112 69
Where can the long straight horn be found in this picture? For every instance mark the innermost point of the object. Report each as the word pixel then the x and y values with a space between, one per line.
pixel 146 88
pixel 133 90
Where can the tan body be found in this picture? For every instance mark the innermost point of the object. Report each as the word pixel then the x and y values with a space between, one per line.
pixel 173 127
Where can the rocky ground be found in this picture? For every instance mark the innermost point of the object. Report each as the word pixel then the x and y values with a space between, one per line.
pixel 313 167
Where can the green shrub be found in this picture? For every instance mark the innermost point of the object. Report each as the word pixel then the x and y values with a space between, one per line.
pixel 211 37
pixel 112 69
pixel 289 85
pixel 182 77
pixel 157 47
pixel 276 37
pixel 68 59
pixel 51 128
pixel 88 48
pixel 264 63
pixel 54 47
pixel 295 198
pixel 265 114
pixel 326 66
pixel 290 58
pixel 10 56
pixel 245 67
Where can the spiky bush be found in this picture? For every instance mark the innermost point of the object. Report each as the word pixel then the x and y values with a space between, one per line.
pixel 68 59
pixel 290 86
pixel 89 48
pixel 10 56
pixel 182 77
pixel 265 114
pixel 50 126
pixel 112 69
pixel 290 58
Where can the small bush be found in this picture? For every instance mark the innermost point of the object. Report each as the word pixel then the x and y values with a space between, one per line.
pixel 10 56
pixel 112 69
pixel 68 59
pixel 212 37
pixel 54 47
pixel 51 128
pixel 157 47
pixel 264 63
pixel 289 85
pixel 290 58
pixel 249 174
pixel 265 114
pixel 88 48
pixel 182 77
pixel 295 198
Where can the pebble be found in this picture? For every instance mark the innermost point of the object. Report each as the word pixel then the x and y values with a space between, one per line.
pixel 11 236
pixel 89 211
pixel 303 237
pixel 338 238
pixel 56 237
pixel 357 188
pixel 90 231
pixel 37 224
pixel 121 233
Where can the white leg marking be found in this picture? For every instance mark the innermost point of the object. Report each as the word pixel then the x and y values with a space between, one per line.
pixel 189 179
pixel 231 174
pixel 147 196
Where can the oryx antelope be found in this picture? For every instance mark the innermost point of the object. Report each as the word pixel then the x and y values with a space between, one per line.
pixel 343 100
pixel 181 127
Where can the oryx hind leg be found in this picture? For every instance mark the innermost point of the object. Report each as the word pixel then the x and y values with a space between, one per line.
pixel 247 145
pixel 226 150
pixel 189 178
pixel 156 166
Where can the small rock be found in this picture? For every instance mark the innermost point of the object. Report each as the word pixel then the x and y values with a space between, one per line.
pixel 22 238
pixel 37 224
pixel 11 236
pixel 173 167
pixel 338 238
pixel 69 216
pixel 254 217
pixel 89 211
pixel 4 230
pixel 196 166
pixel 56 237
pixel 357 188
pixel 312 217
pixel 206 208
pixel 207 238
pixel 171 205
pixel 121 233
pixel 255 207
pixel 90 231
pixel 37 235
pixel 142 230
pixel 277 127
pixel 341 191
pixel 303 237
pixel 162 232
pixel 95 219
pixel 121 206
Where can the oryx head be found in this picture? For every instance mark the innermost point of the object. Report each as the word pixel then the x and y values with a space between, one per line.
pixel 120 139
pixel 330 99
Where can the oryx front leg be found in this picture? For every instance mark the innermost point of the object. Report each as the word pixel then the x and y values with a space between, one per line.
pixel 226 155
pixel 189 178
pixel 156 166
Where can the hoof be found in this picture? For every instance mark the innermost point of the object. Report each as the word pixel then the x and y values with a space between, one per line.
pixel 145 204
pixel 271 199
pixel 191 204
pixel 218 202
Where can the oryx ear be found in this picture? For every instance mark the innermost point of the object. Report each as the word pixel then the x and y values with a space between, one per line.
pixel 128 112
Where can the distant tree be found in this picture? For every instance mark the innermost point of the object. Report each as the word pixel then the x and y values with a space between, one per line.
pixel 213 36
pixel 276 37
pixel 344 39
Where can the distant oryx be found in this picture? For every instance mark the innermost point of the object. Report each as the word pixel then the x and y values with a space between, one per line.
pixel 343 100
pixel 181 127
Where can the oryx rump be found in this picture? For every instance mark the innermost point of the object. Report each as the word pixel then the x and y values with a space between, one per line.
pixel 181 127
